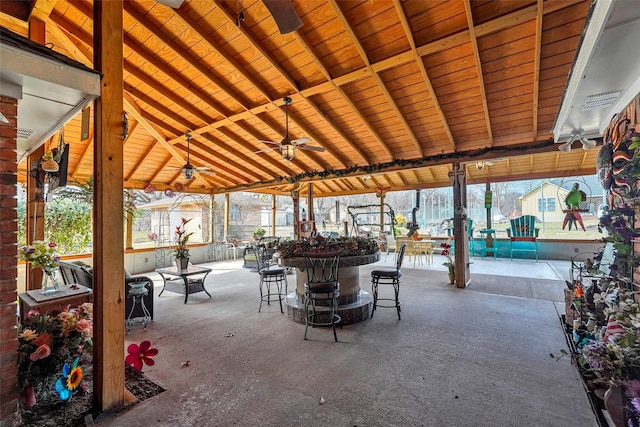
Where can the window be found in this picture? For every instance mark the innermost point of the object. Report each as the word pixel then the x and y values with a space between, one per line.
pixel 547 204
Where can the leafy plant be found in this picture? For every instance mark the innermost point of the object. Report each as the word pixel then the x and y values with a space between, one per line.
pixel 182 238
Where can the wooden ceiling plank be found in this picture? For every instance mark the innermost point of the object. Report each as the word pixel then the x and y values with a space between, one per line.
pixel 183 53
pixel 151 102
pixel 232 16
pixel 363 54
pixel 140 160
pixel 423 71
pixel 213 43
pixel 42 9
pixel 87 150
pixel 309 49
pixel 476 54
pixel 536 68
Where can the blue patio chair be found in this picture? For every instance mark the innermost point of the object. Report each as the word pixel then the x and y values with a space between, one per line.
pixel 523 229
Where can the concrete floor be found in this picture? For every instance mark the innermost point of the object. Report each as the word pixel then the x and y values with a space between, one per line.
pixel 459 357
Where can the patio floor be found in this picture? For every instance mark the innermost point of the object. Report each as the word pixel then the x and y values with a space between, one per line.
pixel 459 357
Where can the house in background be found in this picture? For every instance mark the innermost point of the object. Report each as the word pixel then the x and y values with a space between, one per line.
pixel 546 201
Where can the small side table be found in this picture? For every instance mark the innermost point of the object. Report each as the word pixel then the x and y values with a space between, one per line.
pixel 484 234
pixel 69 295
pixel 137 292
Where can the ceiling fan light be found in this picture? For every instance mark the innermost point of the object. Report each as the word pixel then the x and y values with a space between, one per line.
pixel 288 151
pixel 187 171
pixel 588 144
pixel 566 147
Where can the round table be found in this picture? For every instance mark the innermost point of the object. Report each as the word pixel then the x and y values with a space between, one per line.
pixel 354 303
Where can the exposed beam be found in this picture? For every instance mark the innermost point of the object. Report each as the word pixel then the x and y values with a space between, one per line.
pixel 476 55
pixel 423 71
pixel 376 76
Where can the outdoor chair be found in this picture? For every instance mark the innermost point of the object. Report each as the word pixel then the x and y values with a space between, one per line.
pixel 388 277
pixel 270 275
pixel 523 229
pixel 321 291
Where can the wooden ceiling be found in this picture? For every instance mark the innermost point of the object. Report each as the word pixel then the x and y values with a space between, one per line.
pixel 394 90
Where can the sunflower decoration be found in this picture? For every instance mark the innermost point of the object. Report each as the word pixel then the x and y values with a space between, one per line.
pixel 71 379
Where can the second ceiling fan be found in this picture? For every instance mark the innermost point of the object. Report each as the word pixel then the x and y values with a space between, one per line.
pixel 288 146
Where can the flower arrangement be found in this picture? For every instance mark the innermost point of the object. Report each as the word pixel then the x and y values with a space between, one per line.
pixel 48 342
pixel 182 237
pixel 347 246
pixel 40 254
pixel 446 252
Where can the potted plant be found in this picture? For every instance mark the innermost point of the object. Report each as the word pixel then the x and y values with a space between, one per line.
pixel 43 255
pixel 259 233
pixel 182 251
pixel 446 251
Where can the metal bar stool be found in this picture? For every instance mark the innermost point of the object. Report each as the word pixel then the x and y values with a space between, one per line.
pixel 322 290
pixel 388 277
pixel 269 275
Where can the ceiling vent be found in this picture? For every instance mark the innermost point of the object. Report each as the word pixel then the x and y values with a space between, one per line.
pixel 601 100
pixel 25 133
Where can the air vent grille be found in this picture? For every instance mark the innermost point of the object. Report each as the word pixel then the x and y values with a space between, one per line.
pixel 601 100
pixel 25 133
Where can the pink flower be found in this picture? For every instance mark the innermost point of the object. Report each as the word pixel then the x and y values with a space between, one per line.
pixel 40 353
pixel 85 328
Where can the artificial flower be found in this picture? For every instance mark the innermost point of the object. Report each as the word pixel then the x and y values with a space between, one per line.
pixel 139 354
pixel 40 353
pixel 71 379
pixel 28 335
pixel 85 327
pixel 578 291
pixel 45 338
pixel 40 254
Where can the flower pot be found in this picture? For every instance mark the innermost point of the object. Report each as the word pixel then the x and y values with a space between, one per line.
pixel 452 276
pixel 50 283
pixel 182 263
pixel 614 403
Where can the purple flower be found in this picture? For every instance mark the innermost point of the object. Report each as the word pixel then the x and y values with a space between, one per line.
pixel 633 389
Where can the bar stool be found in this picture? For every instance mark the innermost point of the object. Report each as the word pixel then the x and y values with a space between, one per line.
pixel 388 277
pixel 269 275
pixel 321 291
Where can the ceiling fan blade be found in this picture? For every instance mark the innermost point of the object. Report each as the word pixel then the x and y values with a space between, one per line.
pixel 284 14
pixel 206 171
pixel 175 4
pixel 269 142
pixel 265 150
pixel 301 141
pixel 311 148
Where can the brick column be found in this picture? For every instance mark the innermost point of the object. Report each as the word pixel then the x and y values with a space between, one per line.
pixel 8 263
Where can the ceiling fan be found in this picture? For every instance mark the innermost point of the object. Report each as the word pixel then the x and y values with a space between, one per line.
pixel 288 146
pixel 188 169
pixel 282 12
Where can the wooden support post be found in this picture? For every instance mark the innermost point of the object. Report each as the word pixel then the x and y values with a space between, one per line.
pixel 460 224
pixel 129 231
pixel 227 208
pixel 273 214
pixel 382 196
pixel 35 212
pixel 35 179
pixel 108 253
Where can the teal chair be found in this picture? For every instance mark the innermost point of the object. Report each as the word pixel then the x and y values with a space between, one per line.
pixel 523 229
